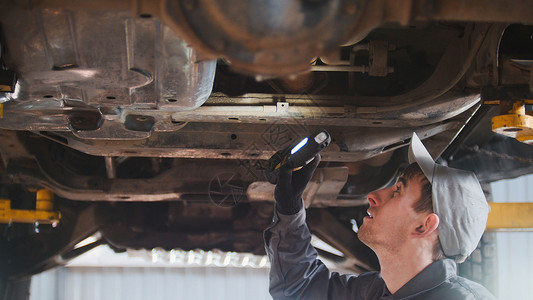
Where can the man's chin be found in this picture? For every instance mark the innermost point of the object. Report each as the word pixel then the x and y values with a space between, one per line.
pixel 363 235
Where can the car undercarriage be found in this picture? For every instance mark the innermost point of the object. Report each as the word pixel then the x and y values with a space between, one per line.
pixel 152 121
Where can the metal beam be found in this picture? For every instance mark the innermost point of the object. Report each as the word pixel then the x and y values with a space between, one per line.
pixel 510 217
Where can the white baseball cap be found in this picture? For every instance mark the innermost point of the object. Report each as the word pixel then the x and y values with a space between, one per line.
pixel 458 200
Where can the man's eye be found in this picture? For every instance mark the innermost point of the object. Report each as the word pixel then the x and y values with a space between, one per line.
pixel 397 189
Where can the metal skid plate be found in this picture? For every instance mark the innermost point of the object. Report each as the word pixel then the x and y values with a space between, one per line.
pixel 79 69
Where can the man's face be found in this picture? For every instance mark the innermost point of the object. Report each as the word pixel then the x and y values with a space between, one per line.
pixel 392 218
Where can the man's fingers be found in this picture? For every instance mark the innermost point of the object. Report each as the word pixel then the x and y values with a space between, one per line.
pixel 283 191
pixel 301 178
pixel 310 167
pixel 285 177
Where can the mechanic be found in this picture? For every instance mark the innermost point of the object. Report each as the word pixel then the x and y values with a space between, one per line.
pixel 433 217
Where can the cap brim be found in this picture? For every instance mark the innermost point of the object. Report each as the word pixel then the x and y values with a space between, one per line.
pixel 419 154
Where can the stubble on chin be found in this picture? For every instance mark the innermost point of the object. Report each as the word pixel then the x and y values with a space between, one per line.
pixel 364 235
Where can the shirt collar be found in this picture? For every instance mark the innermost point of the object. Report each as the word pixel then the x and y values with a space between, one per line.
pixel 432 276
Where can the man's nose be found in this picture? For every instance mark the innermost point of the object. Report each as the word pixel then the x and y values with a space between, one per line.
pixel 373 199
pixel 377 198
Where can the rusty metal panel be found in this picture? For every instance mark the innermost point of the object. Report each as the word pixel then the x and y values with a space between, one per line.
pixel 93 69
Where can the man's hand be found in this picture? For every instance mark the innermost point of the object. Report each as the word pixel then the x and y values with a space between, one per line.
pixel 291 185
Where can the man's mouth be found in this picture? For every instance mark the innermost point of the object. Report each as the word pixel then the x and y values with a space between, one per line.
pixel 369 214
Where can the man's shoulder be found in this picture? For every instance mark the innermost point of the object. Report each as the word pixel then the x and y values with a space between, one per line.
pixel 457 287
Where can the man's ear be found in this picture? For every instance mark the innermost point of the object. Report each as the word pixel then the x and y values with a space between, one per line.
pixel 428 225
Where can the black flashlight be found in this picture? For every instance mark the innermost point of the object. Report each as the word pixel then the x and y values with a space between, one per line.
pixel 297 156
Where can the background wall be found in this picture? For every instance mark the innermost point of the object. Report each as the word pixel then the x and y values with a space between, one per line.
pixel 151 283
pixel 514 249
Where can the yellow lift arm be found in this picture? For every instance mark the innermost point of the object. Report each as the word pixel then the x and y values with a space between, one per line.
pixel 515 122
pixel 503 216
pixel 510 216
pixel 42 214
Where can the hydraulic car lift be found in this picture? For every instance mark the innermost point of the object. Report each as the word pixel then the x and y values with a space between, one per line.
pixel 515 122
pixel 510 216
pixel 43 213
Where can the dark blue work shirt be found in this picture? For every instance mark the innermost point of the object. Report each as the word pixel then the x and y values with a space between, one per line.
pixel 296 273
